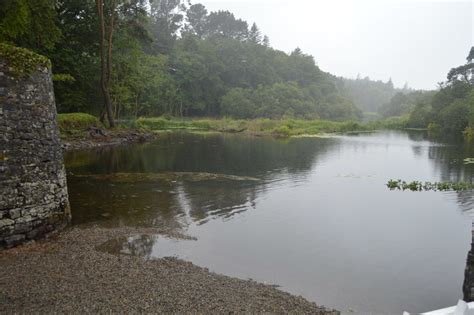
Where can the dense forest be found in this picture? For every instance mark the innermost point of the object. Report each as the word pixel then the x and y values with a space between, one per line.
pixel 126 59
pixel 140 58
pixel 368 95
pixel 451 109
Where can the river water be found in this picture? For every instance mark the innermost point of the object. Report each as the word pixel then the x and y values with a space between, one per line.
pixel 312 215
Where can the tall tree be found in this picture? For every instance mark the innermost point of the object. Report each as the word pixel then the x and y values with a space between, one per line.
pixel 223 24
pixel 166 20
pixel 197 19
pixel 266 41
pixel 465 72
pixel 106 33
pixel 254 34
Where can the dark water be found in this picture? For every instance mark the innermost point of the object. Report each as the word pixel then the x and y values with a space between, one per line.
pixel 310 214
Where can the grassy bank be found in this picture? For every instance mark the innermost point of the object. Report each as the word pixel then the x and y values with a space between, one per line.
pixel 281 128
pixel 77 124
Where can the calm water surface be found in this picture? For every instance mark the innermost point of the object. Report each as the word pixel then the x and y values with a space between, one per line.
pixel 312 215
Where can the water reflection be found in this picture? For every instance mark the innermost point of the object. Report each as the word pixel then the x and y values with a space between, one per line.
pixel 177 201
pixel 319 219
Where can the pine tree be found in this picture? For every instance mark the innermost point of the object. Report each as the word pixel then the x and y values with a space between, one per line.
pixel 254 35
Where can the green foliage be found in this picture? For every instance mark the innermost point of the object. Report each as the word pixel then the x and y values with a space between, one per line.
pixel 265 126
pixel 22 62
pixel 399 122
pixel 404 103
pixel 76 121
pixel 421 116
pixel 428 186
pixel 63 77
pixel 176 59
pixel 451 109
pixel 367 95
pixel 282 131
pixel 30 24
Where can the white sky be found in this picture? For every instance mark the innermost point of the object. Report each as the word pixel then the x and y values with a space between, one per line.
pixel 414 41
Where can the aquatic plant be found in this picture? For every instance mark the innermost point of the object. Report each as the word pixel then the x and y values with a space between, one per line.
pixel 469 161
pixel 428 186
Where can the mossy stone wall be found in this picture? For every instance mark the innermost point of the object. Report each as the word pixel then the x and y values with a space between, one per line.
pixel 33 198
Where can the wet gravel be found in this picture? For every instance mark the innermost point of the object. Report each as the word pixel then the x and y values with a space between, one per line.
pixel 67 274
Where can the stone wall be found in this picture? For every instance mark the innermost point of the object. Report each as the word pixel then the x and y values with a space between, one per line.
pixel 33 191
pixel 468 285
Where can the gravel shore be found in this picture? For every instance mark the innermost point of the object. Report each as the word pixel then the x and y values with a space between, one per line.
pixel 67 274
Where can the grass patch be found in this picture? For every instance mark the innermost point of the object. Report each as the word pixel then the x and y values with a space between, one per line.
pixel 281 128
pixel 77 123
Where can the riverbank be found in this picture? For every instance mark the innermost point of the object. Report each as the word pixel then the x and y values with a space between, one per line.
pixel 84 131
pixel 99 137
pixel 69 274
pixel 268 127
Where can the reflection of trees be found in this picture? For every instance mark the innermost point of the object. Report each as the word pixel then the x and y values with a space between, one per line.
pixel 219 198
pixel 449 162
pixel 228 154
pixel 174 203
pixel 140 245
pixel 465 200
pixel 142 204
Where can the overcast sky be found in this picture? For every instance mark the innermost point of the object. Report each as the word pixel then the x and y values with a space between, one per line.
pixel 414 41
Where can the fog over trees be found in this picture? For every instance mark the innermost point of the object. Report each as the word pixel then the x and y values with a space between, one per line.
pixel 125 59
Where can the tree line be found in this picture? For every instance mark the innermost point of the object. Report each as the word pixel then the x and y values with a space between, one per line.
pixel 121 59
pixel 449 110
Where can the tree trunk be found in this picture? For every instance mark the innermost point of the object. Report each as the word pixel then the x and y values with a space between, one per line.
pixel 104 75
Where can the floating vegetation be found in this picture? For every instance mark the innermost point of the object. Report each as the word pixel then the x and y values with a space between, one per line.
pixel 469 161
pixel 322 136
pixel 428 186
pixel 166 176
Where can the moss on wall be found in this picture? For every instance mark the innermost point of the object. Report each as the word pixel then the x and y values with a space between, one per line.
pixel 22 62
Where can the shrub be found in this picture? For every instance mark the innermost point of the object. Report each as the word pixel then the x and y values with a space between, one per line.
pixel 77 121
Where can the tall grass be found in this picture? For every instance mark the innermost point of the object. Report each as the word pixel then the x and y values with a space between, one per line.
pixel 285 127
pixel 74 122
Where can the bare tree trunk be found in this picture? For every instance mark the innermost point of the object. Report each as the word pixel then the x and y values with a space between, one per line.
pixel 104 75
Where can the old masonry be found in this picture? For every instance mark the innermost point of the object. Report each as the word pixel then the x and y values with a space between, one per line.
pixel 33 191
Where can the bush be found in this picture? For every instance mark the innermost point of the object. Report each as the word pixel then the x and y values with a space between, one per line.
pixel 282 131
pixel 77 121
pixel 154 123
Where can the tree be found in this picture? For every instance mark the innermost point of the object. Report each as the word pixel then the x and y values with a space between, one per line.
pixel 197 19
pixel 114 15
pixel 76 54
pixel 465 72
pixel 470 57
pixel 254 35
pixel 166 19
pixel 30 24
pixel 105 52
pixel 224 24
pixel 266 41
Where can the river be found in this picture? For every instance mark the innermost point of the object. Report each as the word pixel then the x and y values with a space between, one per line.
pixel 312 215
